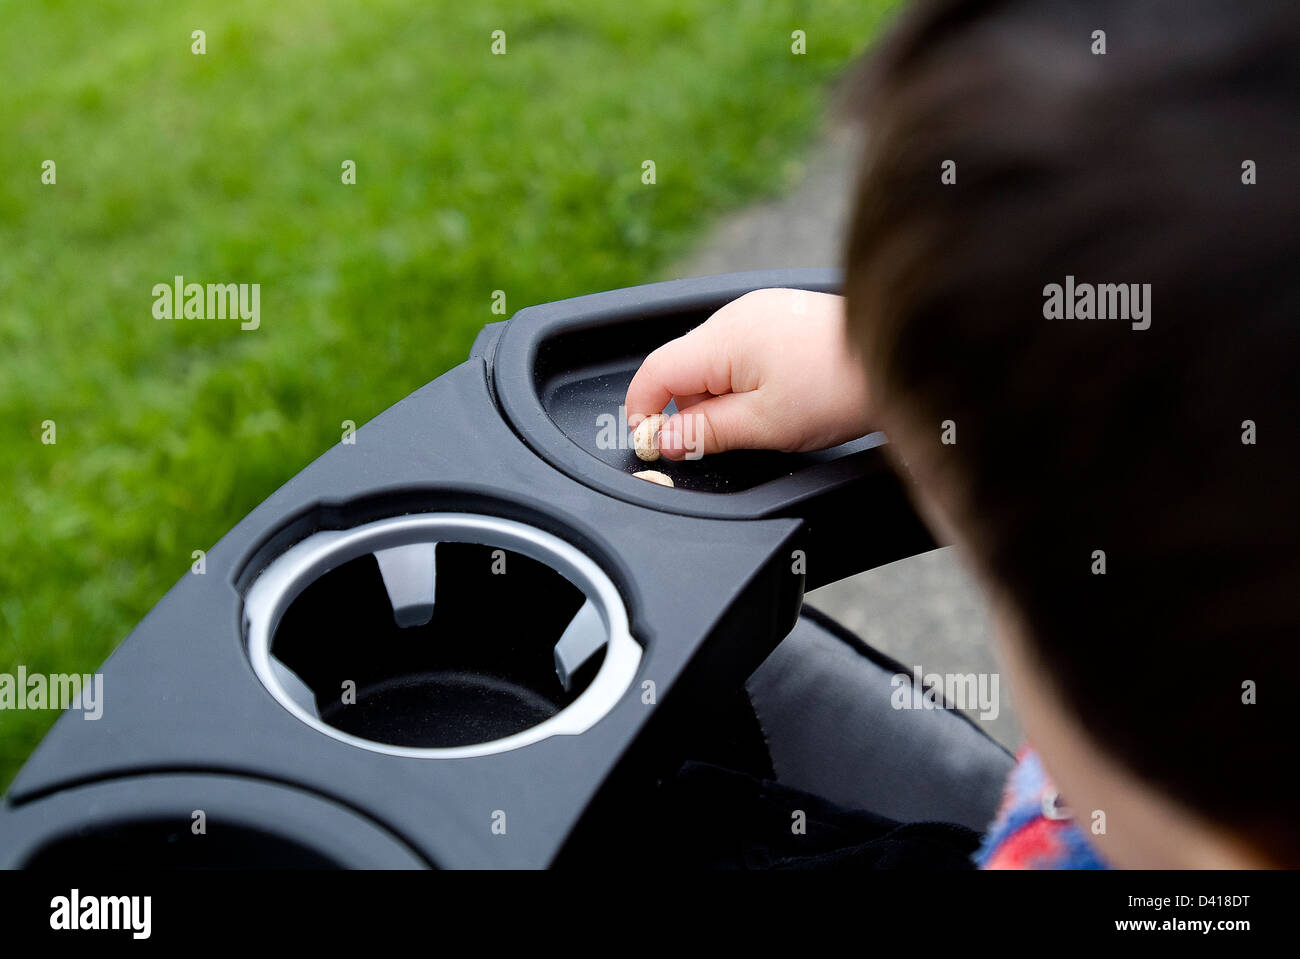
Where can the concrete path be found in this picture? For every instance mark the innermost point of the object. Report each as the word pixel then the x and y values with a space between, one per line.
pixel 924 611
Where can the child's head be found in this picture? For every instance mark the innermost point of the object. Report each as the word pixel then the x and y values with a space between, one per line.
pixel 1125 486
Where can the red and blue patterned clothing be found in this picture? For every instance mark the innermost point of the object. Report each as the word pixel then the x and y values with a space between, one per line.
pixel 1032 829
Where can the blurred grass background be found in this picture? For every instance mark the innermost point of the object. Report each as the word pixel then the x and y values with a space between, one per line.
pixel 474 173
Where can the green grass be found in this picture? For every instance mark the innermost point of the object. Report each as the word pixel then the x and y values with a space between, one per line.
pixel 474 173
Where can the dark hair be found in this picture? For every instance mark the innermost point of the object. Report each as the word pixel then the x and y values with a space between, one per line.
pixel 1076 435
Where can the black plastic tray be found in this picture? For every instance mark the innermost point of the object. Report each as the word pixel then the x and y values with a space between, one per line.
pixel 558 367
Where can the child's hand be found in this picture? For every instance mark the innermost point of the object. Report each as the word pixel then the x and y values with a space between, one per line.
pixel 771 370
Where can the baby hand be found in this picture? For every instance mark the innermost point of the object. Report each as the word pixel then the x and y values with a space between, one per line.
pixel 770 370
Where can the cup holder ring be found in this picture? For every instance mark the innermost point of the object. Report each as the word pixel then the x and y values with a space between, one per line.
pixel 404 549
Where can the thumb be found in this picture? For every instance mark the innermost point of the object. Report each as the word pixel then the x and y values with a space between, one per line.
pixel 715 425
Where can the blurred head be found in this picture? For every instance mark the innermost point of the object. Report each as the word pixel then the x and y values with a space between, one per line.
pixel 1074 279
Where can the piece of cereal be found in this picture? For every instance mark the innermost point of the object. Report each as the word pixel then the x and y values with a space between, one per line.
pixel 654 476
pixel 645 439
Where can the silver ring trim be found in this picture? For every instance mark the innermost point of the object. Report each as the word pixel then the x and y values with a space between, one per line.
pixel 289 574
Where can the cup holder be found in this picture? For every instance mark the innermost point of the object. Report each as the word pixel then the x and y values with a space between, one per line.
pixel 440 635
pixel 145 820
pixel 156 843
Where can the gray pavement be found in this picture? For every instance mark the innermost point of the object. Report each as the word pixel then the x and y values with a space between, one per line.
pixel 924 611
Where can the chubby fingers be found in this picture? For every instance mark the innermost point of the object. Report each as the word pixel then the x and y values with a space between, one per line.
pixel 728 422
pixel 693 366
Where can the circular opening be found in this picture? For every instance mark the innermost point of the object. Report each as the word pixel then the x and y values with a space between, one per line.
pixel 440 635
pixel 151 820
pixel 481 668
pixel 155 843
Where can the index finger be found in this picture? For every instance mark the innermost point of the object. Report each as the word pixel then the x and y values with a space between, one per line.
pixel 693 364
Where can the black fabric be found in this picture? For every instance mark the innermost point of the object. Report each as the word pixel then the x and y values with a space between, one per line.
pixel 825 704
pixel 717 818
